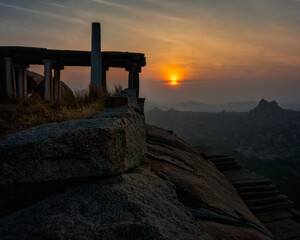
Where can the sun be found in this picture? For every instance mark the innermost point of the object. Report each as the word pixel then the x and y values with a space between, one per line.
pixel 173 75
pixel 173 80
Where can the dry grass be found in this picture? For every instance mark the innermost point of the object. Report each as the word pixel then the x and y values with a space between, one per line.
pixel 34 111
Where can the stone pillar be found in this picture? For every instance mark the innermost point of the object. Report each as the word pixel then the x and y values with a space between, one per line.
pixel 22 81
pixel 134 78
pixel 57 84
pixel 104 69
pixel 2 79
pixel 10 79
pixel 48 95
pixel 96 61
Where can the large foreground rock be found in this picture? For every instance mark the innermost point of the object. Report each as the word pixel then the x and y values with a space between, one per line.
pixel 136 205
pixel 202 189
pixel 174 194
pixel 104 145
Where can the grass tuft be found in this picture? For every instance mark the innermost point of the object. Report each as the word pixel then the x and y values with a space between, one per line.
pixel 33 111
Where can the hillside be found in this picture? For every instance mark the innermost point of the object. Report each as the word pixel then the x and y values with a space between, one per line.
pixel 265 132
pixel 112 177
pixel 204 107
pixel 265 139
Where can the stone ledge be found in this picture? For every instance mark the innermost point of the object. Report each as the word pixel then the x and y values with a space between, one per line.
pixel 104 145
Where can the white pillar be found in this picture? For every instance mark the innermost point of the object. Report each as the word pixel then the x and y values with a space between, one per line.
pixel 25 93
pixel 57 86
pixel 134 78
pixel 48 96
pixel 22 82
pixel 96 61
pixel 10 86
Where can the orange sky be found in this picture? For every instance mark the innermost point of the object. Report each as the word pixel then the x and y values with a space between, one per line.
pixel 212 51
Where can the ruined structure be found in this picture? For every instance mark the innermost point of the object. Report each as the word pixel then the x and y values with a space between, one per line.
pixel 14 61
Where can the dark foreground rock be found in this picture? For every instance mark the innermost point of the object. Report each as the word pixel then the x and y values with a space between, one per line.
pixel 174 194
pixel 46 159
pixel 136 205
pixel 201 188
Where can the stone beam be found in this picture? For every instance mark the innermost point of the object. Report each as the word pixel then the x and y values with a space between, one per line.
pixel 48 95
pixel 96 61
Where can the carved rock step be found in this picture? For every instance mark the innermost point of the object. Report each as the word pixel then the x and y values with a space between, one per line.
pixel 216 156
pixel 261 194
pixel 228 168
pixel 257 188
pixel 246 183
pixel 229 163
pixel 268 200
pixel 295 213
pixel 272 216
pixel 219 160
pixel 271 207
pixel 242 174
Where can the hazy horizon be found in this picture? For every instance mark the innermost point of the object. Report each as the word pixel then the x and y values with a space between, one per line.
pixel 206 51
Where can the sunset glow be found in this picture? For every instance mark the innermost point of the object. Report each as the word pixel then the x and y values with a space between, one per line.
pixel 204 49
pixel 173 74
pixel 173 80
pixel 173 83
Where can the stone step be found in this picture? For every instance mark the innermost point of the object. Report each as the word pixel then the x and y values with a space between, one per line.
pixel 230 163
pixel 260 194
pixel 220 160
pixel 216 156
pixel 228 168
pixel 266 200
pixel 244 178
pixel 272 207
pixel 256 188
pixel 254 182
pixel 295 213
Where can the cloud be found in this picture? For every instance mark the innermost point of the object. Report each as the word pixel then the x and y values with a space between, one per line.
pixel 43 13
pixel 113 4
pixel 52 4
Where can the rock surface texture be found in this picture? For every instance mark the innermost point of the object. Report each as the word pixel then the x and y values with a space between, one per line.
pixel 273 209
pixel 173 194
pixel 105 145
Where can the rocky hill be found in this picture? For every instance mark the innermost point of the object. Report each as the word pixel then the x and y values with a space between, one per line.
pixel 266 132
pixel 265 139
pixel 113 177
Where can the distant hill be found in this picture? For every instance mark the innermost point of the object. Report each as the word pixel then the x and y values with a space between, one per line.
pixel 266 139
pixel 267 131
pixel 203 107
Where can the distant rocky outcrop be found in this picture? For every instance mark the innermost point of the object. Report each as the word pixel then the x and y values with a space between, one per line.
pixel 267 108
pixel 266 132
pixel 36 83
